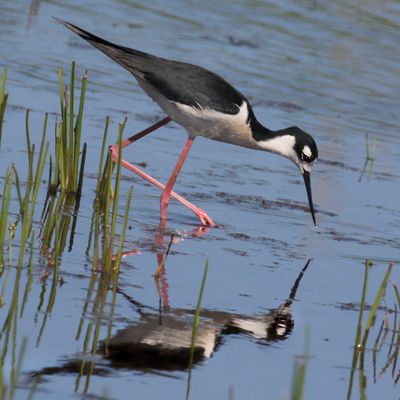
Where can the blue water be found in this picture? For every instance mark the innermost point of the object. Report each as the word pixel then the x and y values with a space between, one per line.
pixel 330 68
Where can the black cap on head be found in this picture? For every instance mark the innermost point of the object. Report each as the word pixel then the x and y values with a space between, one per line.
pixel 303 140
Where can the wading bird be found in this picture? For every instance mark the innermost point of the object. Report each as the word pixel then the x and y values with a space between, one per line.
pixel 205 105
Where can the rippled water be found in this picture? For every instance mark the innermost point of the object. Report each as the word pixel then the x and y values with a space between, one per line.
pixel 330 68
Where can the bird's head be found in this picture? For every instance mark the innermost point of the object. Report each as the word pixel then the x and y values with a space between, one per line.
pixel 298 146
pixel 304 150
pixel 304 153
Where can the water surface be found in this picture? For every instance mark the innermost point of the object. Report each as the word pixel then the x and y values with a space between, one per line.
pixel 330 68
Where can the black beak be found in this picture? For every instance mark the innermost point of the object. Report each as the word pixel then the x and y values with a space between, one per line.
pixel 307 182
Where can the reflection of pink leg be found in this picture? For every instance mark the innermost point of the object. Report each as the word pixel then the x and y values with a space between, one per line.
pixel 167 190
pixel 160 279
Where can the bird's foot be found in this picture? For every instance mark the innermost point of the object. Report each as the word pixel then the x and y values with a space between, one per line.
pixel 204 218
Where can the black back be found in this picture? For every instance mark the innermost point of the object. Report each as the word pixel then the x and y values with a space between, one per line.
pixel 195 86
pixel 180 82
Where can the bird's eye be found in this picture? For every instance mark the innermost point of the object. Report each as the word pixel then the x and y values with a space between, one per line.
pixel 305 158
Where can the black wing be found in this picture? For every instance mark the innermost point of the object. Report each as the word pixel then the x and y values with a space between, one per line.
pixel 180 82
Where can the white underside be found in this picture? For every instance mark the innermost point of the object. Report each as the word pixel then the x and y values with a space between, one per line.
pixel 229 128
pixel 211 124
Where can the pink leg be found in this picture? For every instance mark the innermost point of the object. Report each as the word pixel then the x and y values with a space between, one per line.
pixel 166 194
pixel 203 217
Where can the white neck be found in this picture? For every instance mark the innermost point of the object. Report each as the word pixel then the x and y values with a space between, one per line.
pixel 282 145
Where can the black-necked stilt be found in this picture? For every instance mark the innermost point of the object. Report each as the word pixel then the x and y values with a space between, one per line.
pixel 205 105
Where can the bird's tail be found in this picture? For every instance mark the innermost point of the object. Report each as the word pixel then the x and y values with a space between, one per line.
pixel 134 61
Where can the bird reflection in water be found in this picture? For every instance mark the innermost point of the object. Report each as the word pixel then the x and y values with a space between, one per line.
pixel 161 341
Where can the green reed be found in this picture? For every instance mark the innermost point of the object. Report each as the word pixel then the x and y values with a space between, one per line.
pixel 363 332
pixel 102 153
pixel 9 336
pixel 390 341
pixel 68 167
pixel 29 281
pixel 8 392
pixel 5 202
pixel 68 135
pixel 94 224
pixel 64 191
pixel 106 204
pixel 27 201
pixel 370 158
pixel 105 273
pixel 104 282
pixel 3 100
pixel 16 370
pixel 300 370
pixel 195 330
pixel 110 220
pixel 27 198
pixel 64 205
pixel 117 262
pixel 53 288
pixel 33 183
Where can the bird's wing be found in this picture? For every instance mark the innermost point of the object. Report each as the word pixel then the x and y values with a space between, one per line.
pixel 195 86
pixel 179 82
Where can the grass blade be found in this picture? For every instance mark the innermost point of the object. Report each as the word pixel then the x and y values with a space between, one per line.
pixel 195 330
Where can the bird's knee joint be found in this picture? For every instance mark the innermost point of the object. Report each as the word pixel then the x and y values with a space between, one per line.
pixel 113 149
pixel 164 199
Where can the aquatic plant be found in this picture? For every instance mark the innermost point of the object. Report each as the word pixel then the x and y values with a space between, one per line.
pixel 369 158
pixel 195 330
pixel 68 135
pixel 28 201
pixel 3 100
pixel 64 190
pixel 8 391
pixel 65 185
pixel 300 369
pixel 363 333
pixel 105 268
pixel 5 203
pixel 23 226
